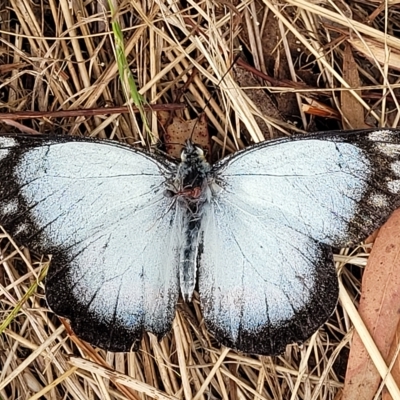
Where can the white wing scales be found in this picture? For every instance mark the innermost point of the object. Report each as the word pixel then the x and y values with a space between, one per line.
pixel 266 273
pixel 311 185
pixel 260 282
pixel 106 221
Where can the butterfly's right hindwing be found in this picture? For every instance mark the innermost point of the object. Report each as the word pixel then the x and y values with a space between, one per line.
pixel 113 234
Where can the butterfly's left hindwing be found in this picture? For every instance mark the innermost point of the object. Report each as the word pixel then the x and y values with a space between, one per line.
pixel 99 208
pixel 266 275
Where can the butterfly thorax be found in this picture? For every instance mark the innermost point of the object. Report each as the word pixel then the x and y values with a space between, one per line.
pixel 193 170
pixel 190 184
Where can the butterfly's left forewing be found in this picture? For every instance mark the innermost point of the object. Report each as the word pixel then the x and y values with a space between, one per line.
pixel 266 273
pixel 99 209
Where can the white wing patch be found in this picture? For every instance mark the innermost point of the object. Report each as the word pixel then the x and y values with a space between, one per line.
pixel 396 167
pixel 394 186
pixel 5 144
pixel 380 200
pixel 9 207
pixel 257 277
pixel 383 142
pixel 108 213
pixel 313 194
pixel 381 135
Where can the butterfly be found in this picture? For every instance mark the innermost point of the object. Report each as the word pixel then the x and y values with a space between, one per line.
pixel 129 231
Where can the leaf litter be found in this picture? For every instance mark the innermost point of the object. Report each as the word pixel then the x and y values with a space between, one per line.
pixel 59 57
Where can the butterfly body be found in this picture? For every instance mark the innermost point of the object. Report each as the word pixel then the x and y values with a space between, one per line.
pixel 128 231
pixel 191 189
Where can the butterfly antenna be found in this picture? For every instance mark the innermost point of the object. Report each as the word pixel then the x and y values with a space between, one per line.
pixel 212 92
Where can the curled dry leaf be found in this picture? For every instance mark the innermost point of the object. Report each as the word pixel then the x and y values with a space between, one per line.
pixel 315 107
pixel 379 308
pixel 180 130
pixel 351 109
pixel 31 381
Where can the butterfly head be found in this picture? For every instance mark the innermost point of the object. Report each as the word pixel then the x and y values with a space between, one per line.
pixel 192 153
pixel 193 163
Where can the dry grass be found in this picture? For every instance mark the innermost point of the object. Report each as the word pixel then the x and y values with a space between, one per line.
pixel 59 56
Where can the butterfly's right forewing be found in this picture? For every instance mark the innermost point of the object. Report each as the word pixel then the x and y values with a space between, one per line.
pixel 99 208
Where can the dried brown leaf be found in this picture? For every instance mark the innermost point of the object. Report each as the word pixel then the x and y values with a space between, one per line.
pixel 180 130
pixel 379 309
pixel 315 107
pixel 396 366
pixel 352 110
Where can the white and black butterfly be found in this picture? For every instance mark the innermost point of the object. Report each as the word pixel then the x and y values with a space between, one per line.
pixel 128 230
